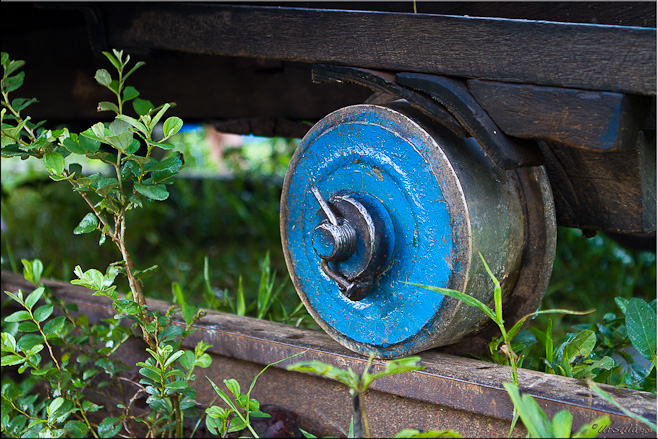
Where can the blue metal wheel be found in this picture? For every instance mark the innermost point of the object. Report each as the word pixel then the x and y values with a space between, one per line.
pixel 376 198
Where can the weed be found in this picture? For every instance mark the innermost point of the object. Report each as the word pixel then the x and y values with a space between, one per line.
pixel 580 346
pixel 358 386
pixel 87 361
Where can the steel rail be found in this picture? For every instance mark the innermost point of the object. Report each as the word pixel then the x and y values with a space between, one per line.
pixel 462 394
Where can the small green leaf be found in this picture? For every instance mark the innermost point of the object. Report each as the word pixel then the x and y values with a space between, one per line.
pixel 177 385
pixel 171 126
pixel 8 342
pixel 562 424
pixel 135 67
pixel 187 360
pixel 396 367
pixel 130 93
pixel 28 327
pixel 88 145
pixel 581 346
pixel 75 169
pixel 13 66
pixel 28 341
pixel 142 106
pixel 328 370
pixel 622 303
pixel 518 325
pixel 223 396
pixel 54 325
pixel 121 141
pixel 115 62
pixel 159 404
pixel 13 83
pixel 103 77
pixel 119 126
pixel 155 192
pixel 89 373
pixel 158 116
pixel 140 274
pixel 87 225
pixel 107 428
pixel 172 163
pixel 43 312
pixel 233 385
pixel 12 360
pixel 56 404
pixel 203 361
pixel 89 406
pixel 20 104
pixel 641 327
pixel 187 402
pixel 162 145
pixel 18 316
pixel 549 341
pixel 498 297
pixel 108 106
pixel 97 130
pixel 134 122
pixel 173 358
pixel 54 163
pixel 13 150
pixel 216 412
pixel 76 429
pixel 114 86
pixel 170 333
pixel 240 302
pixel 532 416
pixel 148 373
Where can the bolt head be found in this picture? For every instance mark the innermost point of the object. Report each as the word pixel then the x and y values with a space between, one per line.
pixel 325 237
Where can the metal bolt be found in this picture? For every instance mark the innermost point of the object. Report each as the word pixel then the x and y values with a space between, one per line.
pixel 334 243
pixel 334 239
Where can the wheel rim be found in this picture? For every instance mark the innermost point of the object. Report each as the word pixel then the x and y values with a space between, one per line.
pixel 382 153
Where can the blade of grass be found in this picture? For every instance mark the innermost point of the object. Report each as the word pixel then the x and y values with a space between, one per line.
pixel 472 301
pixel 600 392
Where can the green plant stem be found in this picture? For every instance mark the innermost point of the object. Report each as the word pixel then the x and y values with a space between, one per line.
pixel 509 353
pixel 179 417
pixel 117 168
pixel 360 396
pixel 198 422
pixel 120 241
pixel 84 417
pixel 18 116
pixel 134 283
pixel 93 209
pixel 16 408
pixel 45 340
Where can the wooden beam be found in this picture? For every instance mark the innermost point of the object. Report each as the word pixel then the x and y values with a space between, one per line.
pixel 598 121
pixel 611 191
pixel 594 57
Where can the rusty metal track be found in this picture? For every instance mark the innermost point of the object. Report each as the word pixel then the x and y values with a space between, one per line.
pixel 452 392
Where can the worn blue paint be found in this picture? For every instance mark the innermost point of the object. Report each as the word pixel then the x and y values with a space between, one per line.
pixel 366 154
